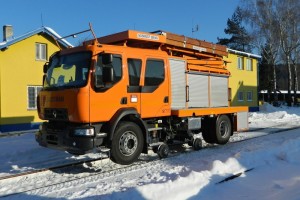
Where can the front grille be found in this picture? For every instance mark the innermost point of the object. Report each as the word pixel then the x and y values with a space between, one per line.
pixel 56 114
pixel 52 139
pixel 54 131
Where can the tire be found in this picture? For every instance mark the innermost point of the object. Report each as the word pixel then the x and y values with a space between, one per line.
pixel 209 126
pixel 223 129
pixel 197 144
pixel 163 151
pixel 127 143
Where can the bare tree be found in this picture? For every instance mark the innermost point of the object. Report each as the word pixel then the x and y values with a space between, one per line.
pixel 296 51
pixel 295 65
pixel 275 25
pixel 287 22
pixel 259 15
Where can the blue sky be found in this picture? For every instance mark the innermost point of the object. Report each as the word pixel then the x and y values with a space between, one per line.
pixel 67 17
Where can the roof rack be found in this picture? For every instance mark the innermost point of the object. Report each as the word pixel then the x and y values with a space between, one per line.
pixel 166 41
pixel 201 56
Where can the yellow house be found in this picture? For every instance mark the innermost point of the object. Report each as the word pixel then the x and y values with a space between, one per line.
pixel 243 82
pixel 21 71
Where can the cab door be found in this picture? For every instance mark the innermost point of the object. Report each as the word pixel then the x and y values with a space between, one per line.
pixel 155 96
pixel 134 66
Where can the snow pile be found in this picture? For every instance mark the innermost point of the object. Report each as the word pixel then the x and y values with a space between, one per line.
pixel 191 184
pixel 272 116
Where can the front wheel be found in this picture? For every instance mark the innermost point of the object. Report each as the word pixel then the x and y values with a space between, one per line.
pixel 127 143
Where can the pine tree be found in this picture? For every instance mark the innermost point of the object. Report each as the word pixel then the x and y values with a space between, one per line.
pixel 239 40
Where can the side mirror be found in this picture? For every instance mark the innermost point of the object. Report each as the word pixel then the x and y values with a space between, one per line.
pixel 44 79
pixel 107 58
pixel 108 74
pixel 46 67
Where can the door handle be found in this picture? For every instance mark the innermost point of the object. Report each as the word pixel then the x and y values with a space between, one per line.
pixel 187 93
pixel 123 100
pixel 166 99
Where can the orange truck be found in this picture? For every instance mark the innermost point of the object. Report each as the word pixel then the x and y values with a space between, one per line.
pixel 133 91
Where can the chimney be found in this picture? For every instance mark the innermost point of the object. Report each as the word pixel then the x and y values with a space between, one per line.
pixel 7 32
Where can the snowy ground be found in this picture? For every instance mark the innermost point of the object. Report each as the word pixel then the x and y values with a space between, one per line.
pixel 273 161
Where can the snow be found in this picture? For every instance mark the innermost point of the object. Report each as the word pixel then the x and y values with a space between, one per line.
pixel 268 167
pixel 58 36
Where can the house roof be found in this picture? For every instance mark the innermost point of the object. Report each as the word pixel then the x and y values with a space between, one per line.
pixel 250 55
pixel 46 30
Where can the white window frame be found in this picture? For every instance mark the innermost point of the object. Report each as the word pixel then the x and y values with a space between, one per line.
pixel 249 64
pixel 240 63
pixel 249 96
pixel 29 97
pixel 240 96
pixel 41 51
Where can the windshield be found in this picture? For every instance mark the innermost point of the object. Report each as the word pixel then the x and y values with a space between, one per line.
pixel 69 70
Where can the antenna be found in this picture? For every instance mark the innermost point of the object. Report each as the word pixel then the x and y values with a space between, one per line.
pixel 42 20
pixel 195 29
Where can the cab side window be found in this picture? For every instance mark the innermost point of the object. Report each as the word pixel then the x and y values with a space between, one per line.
pixel 134 71
pixel 117 71
pixel 155 72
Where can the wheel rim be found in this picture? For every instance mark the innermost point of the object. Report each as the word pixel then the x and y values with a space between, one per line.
pixel 224 129
pixel 128 143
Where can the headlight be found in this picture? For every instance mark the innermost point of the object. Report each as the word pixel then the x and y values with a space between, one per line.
pixel 84 132
pixel 40 127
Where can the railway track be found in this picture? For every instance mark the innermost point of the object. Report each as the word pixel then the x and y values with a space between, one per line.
pixel 90 170
pixel 49 169
pixel 69 174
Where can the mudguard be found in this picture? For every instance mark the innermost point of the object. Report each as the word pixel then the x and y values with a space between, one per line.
pixel 129 114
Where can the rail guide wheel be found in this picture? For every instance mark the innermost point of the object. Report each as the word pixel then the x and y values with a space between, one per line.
pixel 163 151
pixel 197 144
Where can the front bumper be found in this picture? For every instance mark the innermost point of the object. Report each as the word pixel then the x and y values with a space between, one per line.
pixel 61 137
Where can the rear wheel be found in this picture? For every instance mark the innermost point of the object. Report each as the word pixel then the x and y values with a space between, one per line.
pixel 223 129
pixel 127 143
